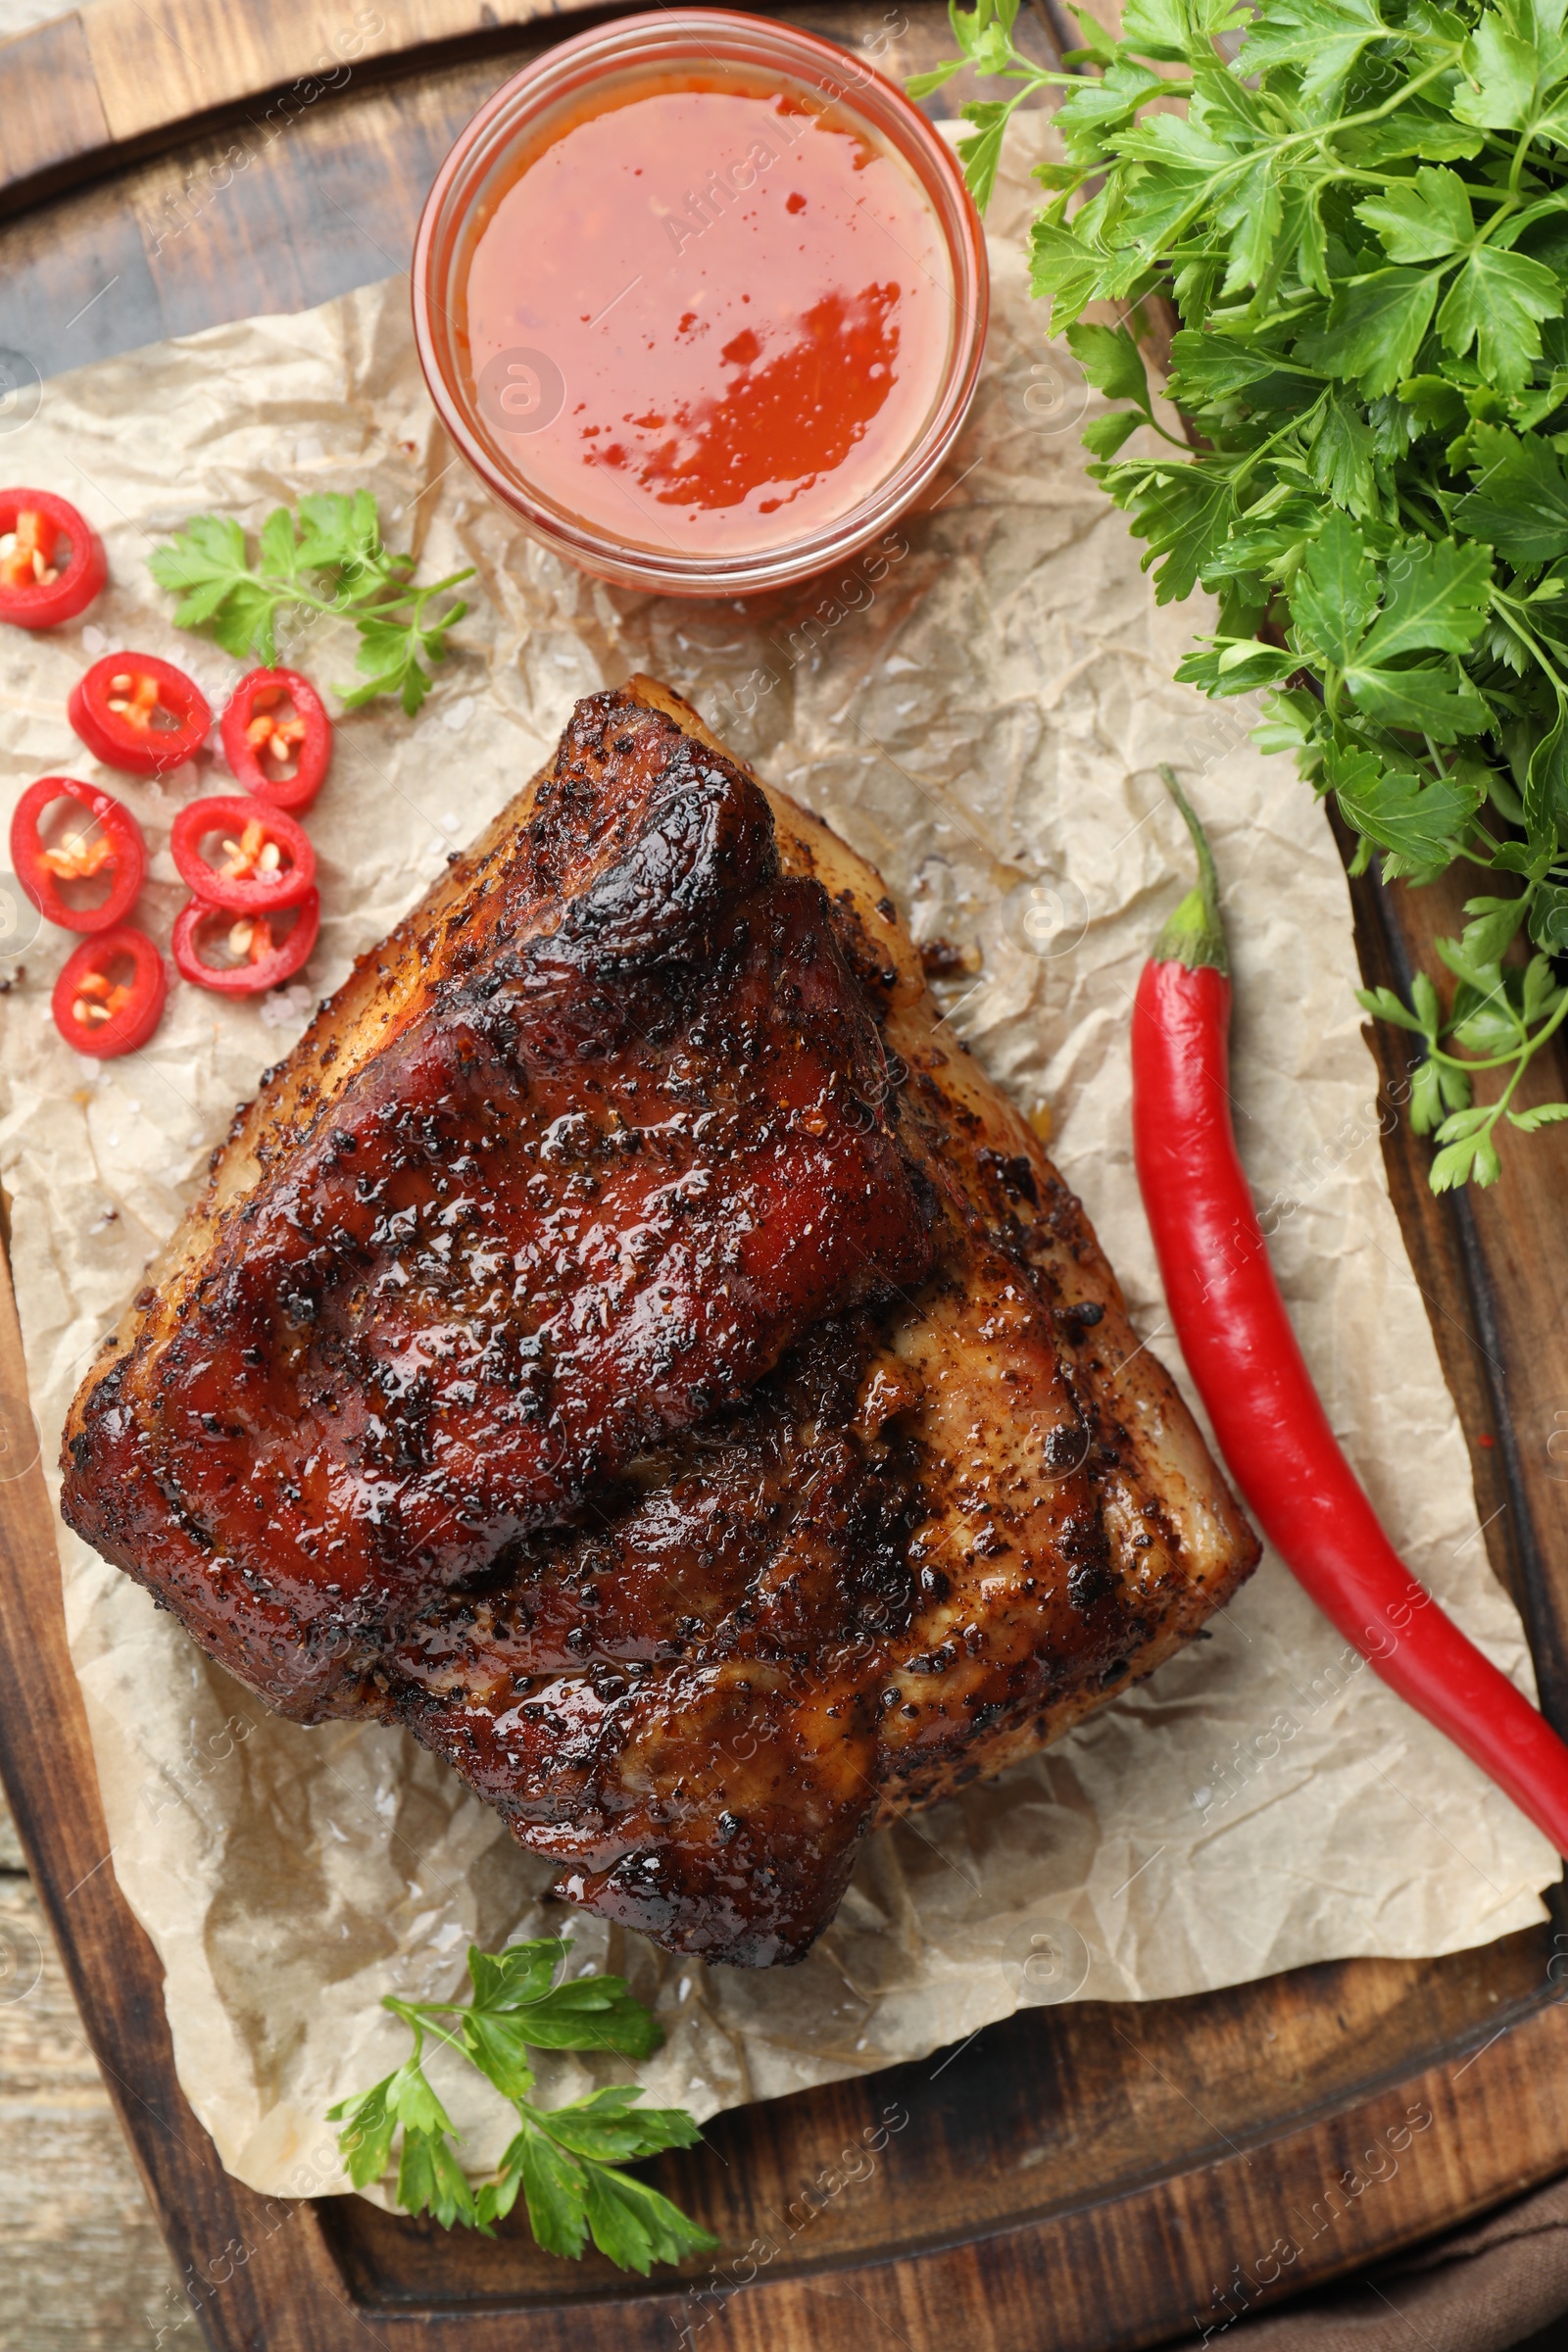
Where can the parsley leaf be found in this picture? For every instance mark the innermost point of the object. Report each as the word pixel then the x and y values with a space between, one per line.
pixel 1338 593
pixel 1503 68
pixel 1438 595
pixel 1375 327
pixel 982 153
pixel 1519 503
pixel 1323 39
pixel 563 2160
pixel 430 2178
pixel 1421 219
pixel 323 560
pixel 634 2225
pixel 1418 823
pixel 1495 304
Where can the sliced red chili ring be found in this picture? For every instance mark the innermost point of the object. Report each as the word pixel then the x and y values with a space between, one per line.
pixel 267 859
pixel 54 565
pixel 136 713
pixel 265 959
pixel 41 867
pixel 98 1012
pixel 260 737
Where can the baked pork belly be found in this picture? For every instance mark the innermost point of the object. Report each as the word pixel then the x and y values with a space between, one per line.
pixel 629 1341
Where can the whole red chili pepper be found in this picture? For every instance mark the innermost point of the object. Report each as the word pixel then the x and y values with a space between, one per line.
pixel 1243 1354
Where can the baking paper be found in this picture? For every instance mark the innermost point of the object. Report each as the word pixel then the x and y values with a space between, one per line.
pixel 980 705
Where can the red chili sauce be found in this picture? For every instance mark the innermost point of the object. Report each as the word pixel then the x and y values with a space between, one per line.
pixel 718 315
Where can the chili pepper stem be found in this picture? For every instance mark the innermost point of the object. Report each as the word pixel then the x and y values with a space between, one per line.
pixel 1195 935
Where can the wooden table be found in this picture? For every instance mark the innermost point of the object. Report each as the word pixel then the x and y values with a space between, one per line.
pixel 1081 2179
pixel 81 2256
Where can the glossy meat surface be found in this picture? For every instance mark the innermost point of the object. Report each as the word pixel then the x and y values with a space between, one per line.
pixel 586 1191
pixel 628 1343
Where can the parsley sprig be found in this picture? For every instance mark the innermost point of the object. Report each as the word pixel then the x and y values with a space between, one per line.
pixel 563 2160
pixel 1359 208
pixel 322 560
pixel 1502 1017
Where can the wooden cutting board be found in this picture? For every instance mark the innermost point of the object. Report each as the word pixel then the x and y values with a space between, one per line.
pixel 1075 2179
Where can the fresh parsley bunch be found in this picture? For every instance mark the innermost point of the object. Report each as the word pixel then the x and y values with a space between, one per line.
pixel 565 2160
pixel 1359 208
pixel 325 559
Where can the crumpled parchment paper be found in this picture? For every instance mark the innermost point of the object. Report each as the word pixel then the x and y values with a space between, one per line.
pixel 980 708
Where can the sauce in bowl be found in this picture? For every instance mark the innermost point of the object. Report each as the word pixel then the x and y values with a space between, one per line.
pixel 746 303
pixel 702 300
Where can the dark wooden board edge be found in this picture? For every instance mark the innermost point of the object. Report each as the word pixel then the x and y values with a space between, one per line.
pixel 63 123
pixel 70 123
pixel 51 1786
pixel 1123 2270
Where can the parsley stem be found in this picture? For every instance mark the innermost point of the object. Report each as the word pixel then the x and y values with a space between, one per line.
pixel 1524 1053
pixel 1318 137
pixel 1389 106
pixel 1422 523
pixel 339 608
pixel 413 2014
pixel 1508 606
pixel 1526 137
pixel 1294 424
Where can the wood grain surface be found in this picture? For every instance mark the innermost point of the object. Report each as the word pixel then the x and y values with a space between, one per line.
pixel 83 2259
pixel 1085 2178
pixel 112 77
pixel 281 210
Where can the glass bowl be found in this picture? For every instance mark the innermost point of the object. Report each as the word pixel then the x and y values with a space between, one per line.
pixel 569 80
